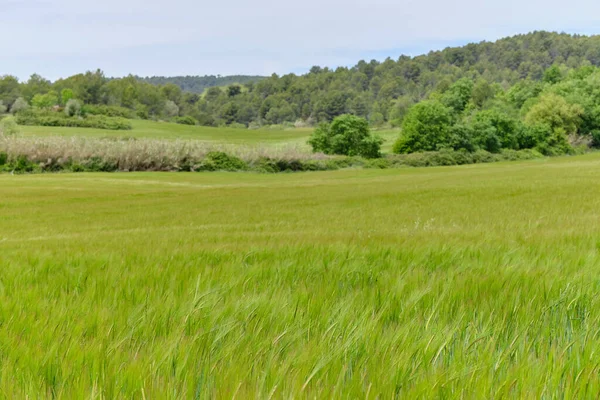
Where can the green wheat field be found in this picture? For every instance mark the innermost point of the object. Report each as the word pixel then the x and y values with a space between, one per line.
pixel 478 281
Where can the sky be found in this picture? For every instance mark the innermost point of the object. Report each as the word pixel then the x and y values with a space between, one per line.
pixel 59 38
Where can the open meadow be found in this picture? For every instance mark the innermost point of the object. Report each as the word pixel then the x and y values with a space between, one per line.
pixel 477 281
pixel 164 130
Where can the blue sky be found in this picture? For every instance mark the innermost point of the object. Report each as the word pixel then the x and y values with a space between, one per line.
pixel 58 38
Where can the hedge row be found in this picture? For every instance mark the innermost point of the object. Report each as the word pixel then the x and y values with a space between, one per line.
pixel 36 118
pixel 221 161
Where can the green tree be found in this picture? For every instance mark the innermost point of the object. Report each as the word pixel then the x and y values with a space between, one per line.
pixel 399 110
pixel 552 75
pixel 213 93
pixel 553 111
pixel 171 92
pixel 234 90
pixel 228 112
pixel 47 100
pixel 35 85
pixel 20 104
pixel 346 135
pixel 559 118
pixel 65 96
pixel 458 95
pixel 171 109
pixel 495 130
pixel 523 91
pixel 9 89
pixel 482 91
pixel 426 127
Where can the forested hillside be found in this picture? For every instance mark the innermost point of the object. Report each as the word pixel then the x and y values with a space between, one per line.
pixel 198 84
pixel 382 92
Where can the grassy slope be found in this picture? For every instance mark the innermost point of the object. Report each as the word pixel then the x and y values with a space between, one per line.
pixel 476 281
pixel 163 130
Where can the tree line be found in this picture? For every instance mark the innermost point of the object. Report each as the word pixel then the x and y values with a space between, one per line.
pixel 471 90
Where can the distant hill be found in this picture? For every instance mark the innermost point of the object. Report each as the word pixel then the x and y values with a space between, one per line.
pixel 197 84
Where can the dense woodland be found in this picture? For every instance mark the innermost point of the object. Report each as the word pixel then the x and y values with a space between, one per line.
pixel 526 91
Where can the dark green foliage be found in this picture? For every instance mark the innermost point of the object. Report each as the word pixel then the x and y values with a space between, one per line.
pixel 220 161
pixel 271 165
pixel 96 164
pixel 595 139
pixel 18 164
pixel 494 130
pixel 347 135
pixel 234 90
pixel 552 75
pixel 461 138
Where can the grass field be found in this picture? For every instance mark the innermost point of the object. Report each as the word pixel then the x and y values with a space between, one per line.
pixel 164 130
pixel 479 281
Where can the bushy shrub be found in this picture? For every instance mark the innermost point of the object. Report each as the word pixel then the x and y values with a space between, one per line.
pixel 378 163
pixel 187 120
pixel 20 164
pixel 347 135
pixel 72 108
pixel 98 164
pixel 221 161
pixel 103 122
pixel 274 165
pixel 482 157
